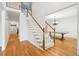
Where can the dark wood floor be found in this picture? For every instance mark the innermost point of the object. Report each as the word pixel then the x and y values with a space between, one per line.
pixel 61 48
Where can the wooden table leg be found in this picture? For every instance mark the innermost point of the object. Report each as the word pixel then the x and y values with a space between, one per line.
pixel 62 38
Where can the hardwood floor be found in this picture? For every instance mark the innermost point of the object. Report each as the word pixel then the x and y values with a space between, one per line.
pixel 61 48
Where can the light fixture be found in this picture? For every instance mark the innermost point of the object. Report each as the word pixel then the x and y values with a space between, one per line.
pixel 54 24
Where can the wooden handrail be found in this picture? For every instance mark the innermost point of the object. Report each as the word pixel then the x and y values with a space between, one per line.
pixel 43 39
pixel 40 28
pixel 35 20
pixel 49 25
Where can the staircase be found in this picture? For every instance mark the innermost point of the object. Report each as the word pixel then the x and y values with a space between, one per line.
pixel 37 35
pixel 35 32
pixel 42 40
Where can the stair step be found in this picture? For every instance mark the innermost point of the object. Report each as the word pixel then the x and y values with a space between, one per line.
pixel 37 38
pixel 40 41
pixel 40 44
pixel 35 34
pixel 31 28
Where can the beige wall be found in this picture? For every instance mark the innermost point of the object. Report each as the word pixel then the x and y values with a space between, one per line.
pixel 15 5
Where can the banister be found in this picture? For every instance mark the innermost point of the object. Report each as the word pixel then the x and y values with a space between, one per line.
pixel 49 25
pixel 40 28
pixel 51 28
pixel 35 21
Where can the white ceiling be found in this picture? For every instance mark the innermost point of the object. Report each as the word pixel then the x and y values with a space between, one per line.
pixel 51 7
pixel 63 13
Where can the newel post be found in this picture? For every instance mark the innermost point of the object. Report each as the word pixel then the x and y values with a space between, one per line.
pixel 43 39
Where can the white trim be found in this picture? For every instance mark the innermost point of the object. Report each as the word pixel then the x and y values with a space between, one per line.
pixel 11 9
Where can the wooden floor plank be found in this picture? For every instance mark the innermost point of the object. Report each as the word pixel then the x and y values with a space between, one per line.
pixel 25 48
